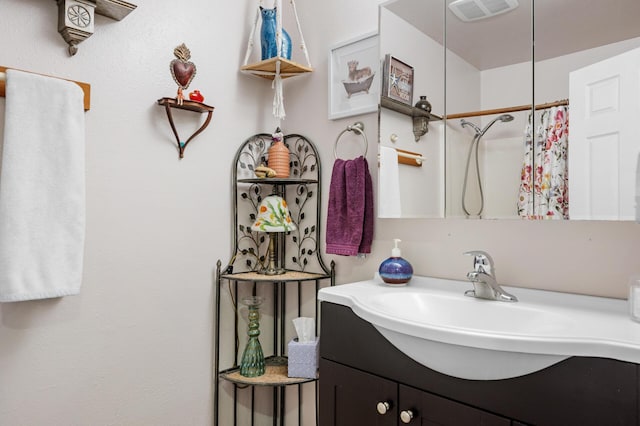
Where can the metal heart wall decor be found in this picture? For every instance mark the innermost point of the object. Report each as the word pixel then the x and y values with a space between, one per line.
pixel 182 70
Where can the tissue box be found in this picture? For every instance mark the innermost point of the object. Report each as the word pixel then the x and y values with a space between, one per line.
pixel 303 359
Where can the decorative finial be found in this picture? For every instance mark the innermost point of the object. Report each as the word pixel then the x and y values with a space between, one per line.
pixel 277 135
pixel 182 52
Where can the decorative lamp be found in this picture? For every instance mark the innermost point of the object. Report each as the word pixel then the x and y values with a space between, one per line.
pixel 273 216
pixel 421 115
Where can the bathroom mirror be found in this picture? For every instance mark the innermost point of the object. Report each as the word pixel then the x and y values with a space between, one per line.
pixel 410 188
pixel 491 65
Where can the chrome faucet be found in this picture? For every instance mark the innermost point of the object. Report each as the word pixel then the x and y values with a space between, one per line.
pixel 484 281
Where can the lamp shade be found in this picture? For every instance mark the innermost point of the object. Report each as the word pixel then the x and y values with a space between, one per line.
pixel 273 216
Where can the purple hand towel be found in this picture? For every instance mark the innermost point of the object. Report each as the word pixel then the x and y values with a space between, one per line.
pixel 367 231
pixel 350 213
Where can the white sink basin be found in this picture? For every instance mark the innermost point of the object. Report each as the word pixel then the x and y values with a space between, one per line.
pixel 434 323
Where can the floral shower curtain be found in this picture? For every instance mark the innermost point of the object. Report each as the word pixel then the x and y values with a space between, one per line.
pixel 544 184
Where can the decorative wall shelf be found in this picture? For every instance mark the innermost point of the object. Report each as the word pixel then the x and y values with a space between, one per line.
pixel 76 18
pixel 405 109
pixel 277 67
pixel 114 9
pixel 268 68
pixel 194 106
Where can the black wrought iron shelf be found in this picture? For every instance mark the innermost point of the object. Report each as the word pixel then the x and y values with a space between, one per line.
pixel 275 374
pixel 405 109
pixel 293 293
pixel 278 181
pixel 286 277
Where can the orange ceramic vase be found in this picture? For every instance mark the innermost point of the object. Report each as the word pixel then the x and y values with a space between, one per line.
pixel 278 158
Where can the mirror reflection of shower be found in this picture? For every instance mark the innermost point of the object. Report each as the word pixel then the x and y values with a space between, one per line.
pixel 473 149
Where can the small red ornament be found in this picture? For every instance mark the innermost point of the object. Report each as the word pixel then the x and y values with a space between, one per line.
pixel 196 96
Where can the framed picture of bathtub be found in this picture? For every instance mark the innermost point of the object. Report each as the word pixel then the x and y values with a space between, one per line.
pixel 354 82
pixel 397 80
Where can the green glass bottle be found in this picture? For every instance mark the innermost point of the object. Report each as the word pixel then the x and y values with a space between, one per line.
pixel 252 364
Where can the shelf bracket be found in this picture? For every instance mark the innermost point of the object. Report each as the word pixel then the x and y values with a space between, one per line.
pixel 170 103
pixel 76 18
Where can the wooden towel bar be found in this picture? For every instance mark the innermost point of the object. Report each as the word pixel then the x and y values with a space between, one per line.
pixel 86 87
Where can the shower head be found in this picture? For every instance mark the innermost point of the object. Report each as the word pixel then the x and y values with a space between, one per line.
pixel 465 123
pixel 503 118
pixel 479 133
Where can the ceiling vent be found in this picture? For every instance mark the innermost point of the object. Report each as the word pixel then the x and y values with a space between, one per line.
pixel 473 10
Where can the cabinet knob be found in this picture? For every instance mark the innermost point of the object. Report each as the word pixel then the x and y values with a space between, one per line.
pixel 406 416
pixel 383 407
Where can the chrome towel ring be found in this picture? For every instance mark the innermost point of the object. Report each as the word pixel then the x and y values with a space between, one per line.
pixel 357 127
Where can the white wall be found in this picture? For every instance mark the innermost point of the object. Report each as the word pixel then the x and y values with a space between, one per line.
pixel 135 347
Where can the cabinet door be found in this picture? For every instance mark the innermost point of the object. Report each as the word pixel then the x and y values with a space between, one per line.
pixel 431 410
pixel 350 397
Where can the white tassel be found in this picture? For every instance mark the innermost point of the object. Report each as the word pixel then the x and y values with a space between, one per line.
pixel 278 97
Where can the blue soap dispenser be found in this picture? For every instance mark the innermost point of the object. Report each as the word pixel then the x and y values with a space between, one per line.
pixel 395 270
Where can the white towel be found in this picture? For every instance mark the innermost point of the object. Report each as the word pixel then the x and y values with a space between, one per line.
pixel 389 204
pixel 42 188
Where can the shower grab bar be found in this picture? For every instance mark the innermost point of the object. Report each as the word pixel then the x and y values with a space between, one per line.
pixel 86 87
pixel 547 105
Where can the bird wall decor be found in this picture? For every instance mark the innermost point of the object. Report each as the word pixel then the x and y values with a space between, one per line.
pixel 182 70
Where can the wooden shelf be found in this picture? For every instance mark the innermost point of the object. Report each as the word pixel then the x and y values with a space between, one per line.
pixel 405 109
pixel 186 104
pixel 275 374
pixel 267 68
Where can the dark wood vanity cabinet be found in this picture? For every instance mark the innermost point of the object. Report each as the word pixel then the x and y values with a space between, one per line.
pixel 350 397
pixel 360 369
pixel 430 409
